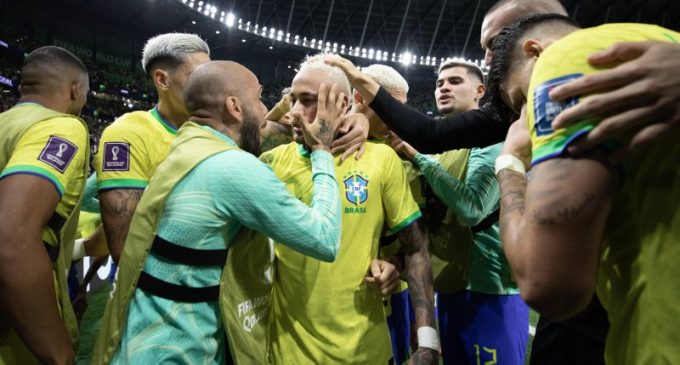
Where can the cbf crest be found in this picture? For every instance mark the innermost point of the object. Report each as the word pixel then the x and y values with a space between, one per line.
pixel 356 189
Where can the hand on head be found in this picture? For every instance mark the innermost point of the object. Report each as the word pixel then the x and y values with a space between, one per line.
pixel 331 109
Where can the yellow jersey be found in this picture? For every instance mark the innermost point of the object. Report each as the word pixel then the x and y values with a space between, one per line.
pixel 131 148
pixel 54 149
pixel 324 313
pixel 638 274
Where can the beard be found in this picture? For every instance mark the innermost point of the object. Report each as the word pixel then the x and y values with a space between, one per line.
pixel 250 135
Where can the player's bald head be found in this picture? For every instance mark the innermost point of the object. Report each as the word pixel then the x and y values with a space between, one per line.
pixel 505 12
pixel 48 69
pixel 212 82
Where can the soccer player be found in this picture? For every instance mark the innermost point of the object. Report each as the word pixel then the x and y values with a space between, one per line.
pixel 489 124
pixel 581 222
pixel 183 265
pixel 325 312
pixel 398 309
pixel 487 321
pixel 44 152
pixel 131 148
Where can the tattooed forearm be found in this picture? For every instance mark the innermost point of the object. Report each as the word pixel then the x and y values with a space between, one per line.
pixel 418 272
pixel 513 190
pixel 117 208
pixel 274 135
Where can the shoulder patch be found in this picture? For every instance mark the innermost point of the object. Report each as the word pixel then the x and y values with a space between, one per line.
pixel 58 153
pixel 116 156
pixel 546 110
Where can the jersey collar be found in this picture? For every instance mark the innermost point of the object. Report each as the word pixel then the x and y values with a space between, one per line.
pixel 167 125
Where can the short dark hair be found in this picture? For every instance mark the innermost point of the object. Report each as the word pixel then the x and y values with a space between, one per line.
pixel 471 69
pixel 49 56
pixel 504 45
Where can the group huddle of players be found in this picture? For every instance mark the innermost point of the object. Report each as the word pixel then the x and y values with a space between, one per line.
pixel 342 226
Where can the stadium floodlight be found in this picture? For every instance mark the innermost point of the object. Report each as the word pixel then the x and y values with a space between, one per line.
pixel 230 19
pixel 217 32
pixel 406 58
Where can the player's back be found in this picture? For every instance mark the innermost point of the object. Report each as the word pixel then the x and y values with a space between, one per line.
pixel 639 271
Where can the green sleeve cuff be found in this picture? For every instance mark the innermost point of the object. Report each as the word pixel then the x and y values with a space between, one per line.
pixel 122 184
pixel 558 144
pixel 36 171
pixel 405 223
pixel 322 163
pixel 422 161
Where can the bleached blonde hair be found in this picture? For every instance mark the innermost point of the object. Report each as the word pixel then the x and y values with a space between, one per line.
pixel 387 77
pixel 336 75
pixel 172 47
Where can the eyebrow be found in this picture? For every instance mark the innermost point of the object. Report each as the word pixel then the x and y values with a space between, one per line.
pixel 450 77
pixel 302 94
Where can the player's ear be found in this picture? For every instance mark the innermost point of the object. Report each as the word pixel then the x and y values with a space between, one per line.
pixel 532 48
pixel 75 90
pixel 161 79
pixel 233 107
pixel 481 90
pixel 358 99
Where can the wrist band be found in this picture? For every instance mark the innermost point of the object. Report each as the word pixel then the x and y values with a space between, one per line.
pixel 510 162
pixel 79 249
pixel 428 338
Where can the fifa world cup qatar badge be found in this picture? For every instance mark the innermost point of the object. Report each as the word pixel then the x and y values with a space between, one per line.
pixel 116 156
pixel 545 109
pixel 58 153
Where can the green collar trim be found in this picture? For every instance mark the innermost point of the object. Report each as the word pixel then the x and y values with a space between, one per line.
pixel 167 125
pixel 303 151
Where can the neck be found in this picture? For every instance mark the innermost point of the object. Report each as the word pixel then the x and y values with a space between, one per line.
pixel 170 114
pixel 214 123
pixel 47 102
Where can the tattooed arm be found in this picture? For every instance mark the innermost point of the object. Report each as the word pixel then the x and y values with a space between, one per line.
pixel 274 135
pixel 552 228
pixel 117 208
pixel 418 273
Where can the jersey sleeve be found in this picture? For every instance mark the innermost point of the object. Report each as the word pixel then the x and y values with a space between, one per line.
pixel 400 207
pixel 55 150
pixel 546 142
pixel 122 160
pixel 249 192
pixel 473 199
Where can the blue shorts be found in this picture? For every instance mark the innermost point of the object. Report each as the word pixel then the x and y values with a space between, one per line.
pixel 399 323
pixel 477 328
